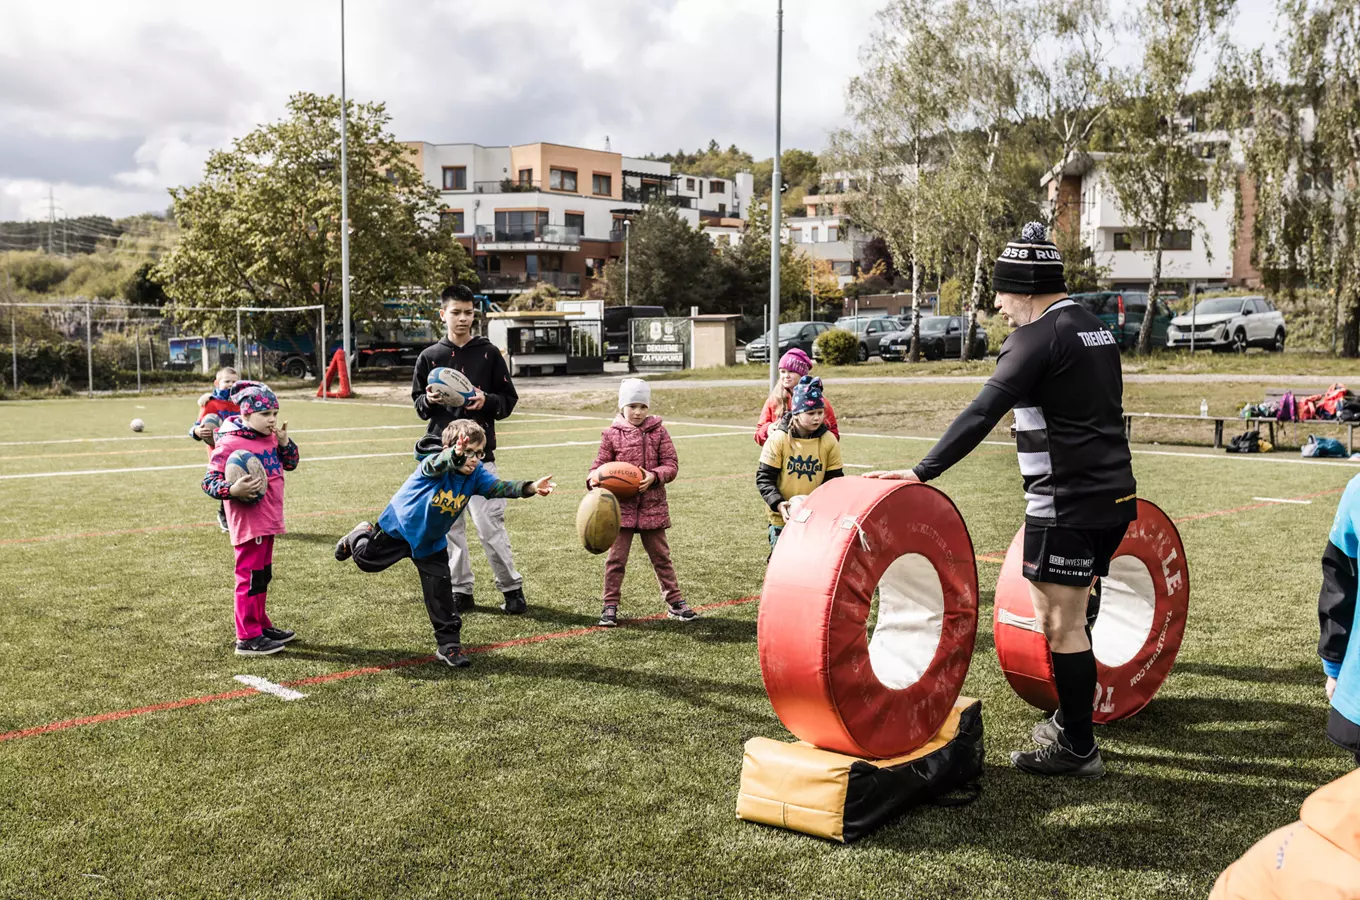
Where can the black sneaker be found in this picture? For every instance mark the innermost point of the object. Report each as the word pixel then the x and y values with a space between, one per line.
pixel 680 611
pixel 1047 732
pixel 282 635
pixel 453 656
pixel 610 617
pixel 464 602
pixel 1058 760
pixel 514 604
pixel 344 548
pixel 222 518
pixel 258 646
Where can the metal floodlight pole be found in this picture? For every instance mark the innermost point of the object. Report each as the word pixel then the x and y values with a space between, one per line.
pixel 1194 296
pixel 89 349
pixel 626 232
pixel 344 198
pixel 13 344
pixel 772 340
pixel 137 341
pixel 240 348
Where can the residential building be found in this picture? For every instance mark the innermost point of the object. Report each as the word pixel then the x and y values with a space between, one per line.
pixel 1081 198
pixel 552 214
pixel 827 237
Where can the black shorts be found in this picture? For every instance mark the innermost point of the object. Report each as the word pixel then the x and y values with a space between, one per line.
pixel 1072 556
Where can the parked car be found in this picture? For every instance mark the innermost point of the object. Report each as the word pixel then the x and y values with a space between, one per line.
pixel 941 338
pixel 1123 313
pixel 791 334
pixel 1230 323
pixel 870 330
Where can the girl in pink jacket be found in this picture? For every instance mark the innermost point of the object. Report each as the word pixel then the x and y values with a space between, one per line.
pixel 252 524
pixel 640 439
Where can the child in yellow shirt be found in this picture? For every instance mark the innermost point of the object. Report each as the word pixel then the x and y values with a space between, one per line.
pixel 799 456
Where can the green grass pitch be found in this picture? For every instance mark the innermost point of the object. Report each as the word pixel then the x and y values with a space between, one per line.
pixel 597 764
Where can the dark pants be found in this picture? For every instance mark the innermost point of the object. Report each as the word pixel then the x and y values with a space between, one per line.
pixel 379 550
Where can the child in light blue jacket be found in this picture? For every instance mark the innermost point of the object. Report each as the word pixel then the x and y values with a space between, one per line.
pixel 1338 647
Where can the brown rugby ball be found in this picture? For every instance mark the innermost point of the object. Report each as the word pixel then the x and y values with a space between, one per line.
pixel 621 479
pixel 597 520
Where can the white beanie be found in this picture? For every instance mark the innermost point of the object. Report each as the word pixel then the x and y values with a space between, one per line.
pixel 634 390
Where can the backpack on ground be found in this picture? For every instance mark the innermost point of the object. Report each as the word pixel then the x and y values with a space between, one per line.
pixel 1246 442
pixel 1323 447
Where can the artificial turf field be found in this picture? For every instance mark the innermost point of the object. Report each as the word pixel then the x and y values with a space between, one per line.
pixel 593 763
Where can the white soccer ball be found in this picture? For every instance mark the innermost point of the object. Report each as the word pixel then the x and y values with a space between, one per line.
pixel 452 385
pixel 138 424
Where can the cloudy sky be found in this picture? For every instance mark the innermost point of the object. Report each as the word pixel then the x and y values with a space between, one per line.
pixel 108 104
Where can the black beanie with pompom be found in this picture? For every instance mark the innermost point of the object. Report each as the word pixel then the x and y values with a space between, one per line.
pixel 1029 265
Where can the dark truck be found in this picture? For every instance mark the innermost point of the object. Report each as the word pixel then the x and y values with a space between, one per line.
pixel 393 341
pixel 618 327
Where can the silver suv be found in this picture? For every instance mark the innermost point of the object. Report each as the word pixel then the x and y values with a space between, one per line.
pixel 1230 324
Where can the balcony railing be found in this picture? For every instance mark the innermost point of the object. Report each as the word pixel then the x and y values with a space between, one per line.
pixel 522 281
pixel 530 234
pixel 648 195
pixel 506 186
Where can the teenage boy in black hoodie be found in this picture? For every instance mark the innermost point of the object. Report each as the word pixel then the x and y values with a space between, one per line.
pixel 482 363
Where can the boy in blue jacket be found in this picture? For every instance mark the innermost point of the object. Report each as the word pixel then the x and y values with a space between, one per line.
pixel 1337 617
pixel 416 522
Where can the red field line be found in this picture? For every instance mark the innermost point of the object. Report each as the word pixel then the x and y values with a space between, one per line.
pixel 114 716
pixel 1239 509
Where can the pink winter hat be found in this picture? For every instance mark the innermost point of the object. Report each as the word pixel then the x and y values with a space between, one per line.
pixel 795 360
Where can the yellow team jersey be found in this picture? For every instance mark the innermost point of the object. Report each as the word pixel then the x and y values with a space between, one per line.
pixel 802 463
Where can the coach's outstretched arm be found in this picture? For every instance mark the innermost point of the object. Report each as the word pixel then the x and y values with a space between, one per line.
pixel 968 430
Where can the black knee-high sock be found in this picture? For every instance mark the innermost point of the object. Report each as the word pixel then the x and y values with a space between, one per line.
pixel 1092 611
pixel 1075 674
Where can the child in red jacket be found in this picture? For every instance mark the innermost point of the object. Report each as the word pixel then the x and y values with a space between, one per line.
pixel 792 366
pixel 640 439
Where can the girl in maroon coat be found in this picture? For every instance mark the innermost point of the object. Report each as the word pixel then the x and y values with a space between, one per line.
pixel 640 439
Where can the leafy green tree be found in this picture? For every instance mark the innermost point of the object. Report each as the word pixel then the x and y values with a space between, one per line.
pixel 1157 171
pixel 263 226
pixel 669 264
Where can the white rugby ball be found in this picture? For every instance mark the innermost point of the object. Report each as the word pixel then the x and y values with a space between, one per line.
pixel 138 424
pixel 452 385
pixel 242 463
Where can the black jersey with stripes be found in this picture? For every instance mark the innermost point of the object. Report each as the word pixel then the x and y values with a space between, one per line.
pixel 1061 375
pixel 1063 372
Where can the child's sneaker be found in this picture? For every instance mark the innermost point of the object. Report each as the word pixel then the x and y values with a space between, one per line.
pixel 282 635
pixel 344 548
pixel 258 646
pixel 453 656
pixel 463 602
pixel 680 611
pixel 515 604
pixel 222 518
pixel 610 617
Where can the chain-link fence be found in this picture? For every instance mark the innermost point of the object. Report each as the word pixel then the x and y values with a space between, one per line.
pixel 79 345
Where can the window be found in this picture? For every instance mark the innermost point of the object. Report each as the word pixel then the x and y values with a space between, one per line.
pixel 602 185
pixel 594 267
pixel 520 225
pixel 561 179
pixel 1176 240
pixel 453 219
pixel 1198 191
pixel 722 209
pixel 832 233
pixel 1322 178
pixel 531 264
pixel 390 175
pixel 455 178
pixel 816 235
pixel 689 184
pixel 526 176
pixel 1122 241
pixel 795 235
pixel 577 221
pixel 717 187
pixel 843 267
pixel 493 264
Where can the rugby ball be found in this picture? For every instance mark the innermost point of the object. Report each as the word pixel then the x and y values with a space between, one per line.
pixel 621 479
pixel 242 463
pixel 138 424
pixel 214 422
pixel 597 520
pixel 452 385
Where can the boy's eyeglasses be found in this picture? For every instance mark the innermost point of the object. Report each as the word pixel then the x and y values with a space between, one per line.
pixel 479 453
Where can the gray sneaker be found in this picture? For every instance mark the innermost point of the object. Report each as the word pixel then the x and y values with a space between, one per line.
pixel 344 548
pixel 1047 732
pixel 1057 760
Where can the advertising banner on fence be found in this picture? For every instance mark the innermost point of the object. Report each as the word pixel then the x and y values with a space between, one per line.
pixel 661 344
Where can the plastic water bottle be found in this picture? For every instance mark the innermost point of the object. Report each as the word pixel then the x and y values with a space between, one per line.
pixel 1204 408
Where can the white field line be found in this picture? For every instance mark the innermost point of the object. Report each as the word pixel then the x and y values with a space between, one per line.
pixel 313 459
pixel 269 687
pixel 1278 500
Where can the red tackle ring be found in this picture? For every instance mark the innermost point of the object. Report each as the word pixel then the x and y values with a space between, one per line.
pixel 1143 605
pixel 829 683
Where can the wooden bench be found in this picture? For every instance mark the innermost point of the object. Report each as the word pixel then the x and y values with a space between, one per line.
pixel 1218 421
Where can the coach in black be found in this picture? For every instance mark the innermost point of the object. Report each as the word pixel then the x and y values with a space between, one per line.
pixel 1059 370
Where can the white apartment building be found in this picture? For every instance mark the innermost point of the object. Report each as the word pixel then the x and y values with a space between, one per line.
pixel 829 237
pixel 1082 197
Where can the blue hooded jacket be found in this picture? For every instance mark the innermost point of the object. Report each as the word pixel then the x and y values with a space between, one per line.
pixel 1337 607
